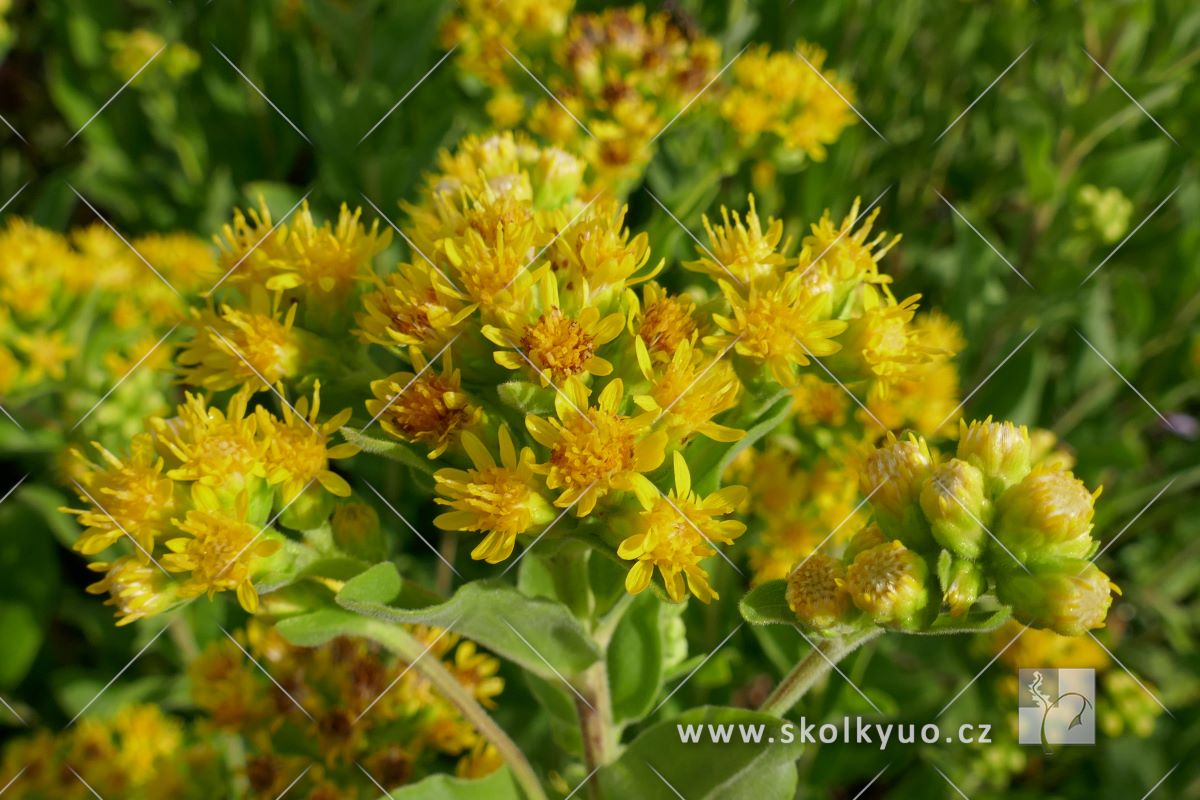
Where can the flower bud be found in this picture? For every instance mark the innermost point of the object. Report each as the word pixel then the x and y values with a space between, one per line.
pixel 888 582
pixel 893 476
pixel 815 592
pixel 868 537
pixel 962 585
pixel 955 506
pixel 1070 597
pixel 356 532
pixel 1048 515
pixel 1001 450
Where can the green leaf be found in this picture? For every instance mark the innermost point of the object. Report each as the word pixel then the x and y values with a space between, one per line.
pixel 766 604
pixel 497 786
pixel 704 770
pixel 972 622
pixel 395 451
pixel 526 397
pixel 22 640
pixel 540 635
pixel 635 659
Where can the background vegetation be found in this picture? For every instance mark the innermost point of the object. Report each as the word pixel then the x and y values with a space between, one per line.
pixel 1110 274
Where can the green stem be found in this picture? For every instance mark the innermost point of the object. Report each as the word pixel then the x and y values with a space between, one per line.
pixel 403 644
pixel 594 706
pixel 811 669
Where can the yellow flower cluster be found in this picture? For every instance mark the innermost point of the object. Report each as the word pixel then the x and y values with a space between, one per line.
pixel 612 81
pixel 331 712
pixel 192 506
pixel 989 520
pixel 786 96
pixel 80 311
pixel 133 50
pixel 139 753
pixel 347 703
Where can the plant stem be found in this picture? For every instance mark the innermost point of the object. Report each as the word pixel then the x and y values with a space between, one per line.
pixel 811 669
pixel 403 644
pixel 594 706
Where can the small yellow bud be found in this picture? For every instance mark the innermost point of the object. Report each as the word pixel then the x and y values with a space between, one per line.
pixel 888 583
pixel 815 592
pixel 1048 515
pixel 955 506
pixel 893 476
pixel 1069 597
pixel 1001 450
pixel 868 537
pixel 964 583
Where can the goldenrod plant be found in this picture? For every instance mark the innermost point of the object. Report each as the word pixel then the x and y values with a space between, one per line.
pixel 478 399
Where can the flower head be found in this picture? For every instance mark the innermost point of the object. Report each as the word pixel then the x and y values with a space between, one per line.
pixel 237 348
pixel 676 532
pixel 220 549
pixel 954 503
pixel 424 407
pixel 893 476
pixel 888 583
pixel 501 500
pixel 816 592
pixel 326 259
pixel 1047 515
pixel 552 344
pixel 415 306
pixel 596 449
pixel 128 496
pixel 779 326
pixel 1001 450
pixel 741 248
pixel 690 391
pixel 217 448
pixel 297 447
pixel 136 588
pixel 663 321
pixel 1070 597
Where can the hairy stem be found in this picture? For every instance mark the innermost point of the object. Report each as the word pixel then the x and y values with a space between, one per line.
pixel 811 669
pixel 594 706
pixel 403 644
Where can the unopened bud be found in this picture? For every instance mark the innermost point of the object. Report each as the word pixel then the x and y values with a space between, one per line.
pixel 868 537
pixel 893 476
pixel 1048 515
pixel 356 532
pixel 1001 450
pixel 955 506
pixel 962 586
pixel 815 592
pixel 1069 597
pixel 888 582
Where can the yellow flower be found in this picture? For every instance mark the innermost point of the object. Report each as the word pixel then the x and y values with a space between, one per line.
pixel 888 583
pixel 131 495
pixel 491 256
pixel 819 402
pixel 237 348
pixel 816 592
pixel 780 94
pixel 326 259
pixel 663 321
pixel 147 736
pixel 595 450
pixel 502 500
pixel 184 260
pixel 248 246
pixel 559 346
pixel 598 249
pixel 1047 648
pixel 415 306
pixel 136 588
pixel 425 406
pixel 742 249
pixel 219 449
pixel 47 354
pixel 846 256
pixel 778 326
pixel 675 533
pixel 219 551
pixel 882 345
pixel 690 391
pixel 298 452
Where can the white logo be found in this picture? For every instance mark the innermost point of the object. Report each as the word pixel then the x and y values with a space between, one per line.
pixel 1057 706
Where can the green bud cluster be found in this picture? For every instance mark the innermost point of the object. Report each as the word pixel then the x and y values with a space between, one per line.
pixel 987 521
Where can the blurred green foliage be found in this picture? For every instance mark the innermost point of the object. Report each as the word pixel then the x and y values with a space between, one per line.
pixel 1051 164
